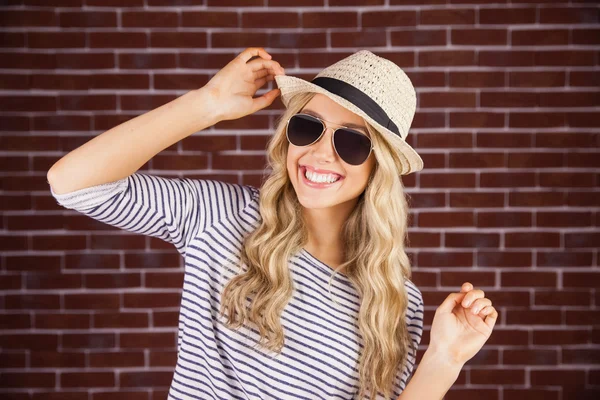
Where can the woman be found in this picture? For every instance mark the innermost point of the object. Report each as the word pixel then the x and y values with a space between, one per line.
pixel 300 289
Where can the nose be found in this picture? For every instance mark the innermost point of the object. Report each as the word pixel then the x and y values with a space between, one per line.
pixel 323 148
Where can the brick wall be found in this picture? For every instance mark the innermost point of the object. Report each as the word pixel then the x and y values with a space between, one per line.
pixel 508 126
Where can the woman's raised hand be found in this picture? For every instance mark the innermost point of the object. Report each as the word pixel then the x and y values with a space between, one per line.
pixel 462 324
pixel 232 88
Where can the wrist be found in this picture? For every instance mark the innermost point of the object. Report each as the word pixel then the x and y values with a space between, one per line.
pixel 442 358
pixel 202 107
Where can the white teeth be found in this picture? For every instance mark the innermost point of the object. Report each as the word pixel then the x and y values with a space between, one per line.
pixel 319 178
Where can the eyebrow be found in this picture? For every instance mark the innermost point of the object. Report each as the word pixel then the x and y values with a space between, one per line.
pixel 347 125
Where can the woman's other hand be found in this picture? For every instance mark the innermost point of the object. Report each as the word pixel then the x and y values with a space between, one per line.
pixel 233 87
pixel 462 324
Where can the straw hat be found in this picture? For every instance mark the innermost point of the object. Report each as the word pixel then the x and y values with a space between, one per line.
pixel 374 88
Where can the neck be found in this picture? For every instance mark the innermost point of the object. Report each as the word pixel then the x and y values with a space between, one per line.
pixel 324 227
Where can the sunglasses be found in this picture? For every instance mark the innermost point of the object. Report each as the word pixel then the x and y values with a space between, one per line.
pixel 352 146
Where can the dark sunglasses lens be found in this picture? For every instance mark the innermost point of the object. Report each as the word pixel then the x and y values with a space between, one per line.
pixel 303 130
pixel 352 147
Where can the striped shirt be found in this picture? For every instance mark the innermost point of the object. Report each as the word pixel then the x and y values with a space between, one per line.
pixel 206 221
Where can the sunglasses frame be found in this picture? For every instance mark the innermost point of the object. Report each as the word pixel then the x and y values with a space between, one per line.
pixel 287 124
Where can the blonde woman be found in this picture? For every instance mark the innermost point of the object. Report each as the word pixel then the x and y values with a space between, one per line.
pixel 300 289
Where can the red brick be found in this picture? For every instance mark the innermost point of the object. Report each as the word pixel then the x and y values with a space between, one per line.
pixel 446 58
pixel 587 36
pixel 88 19
pixel 444 140
pixel 563 219
pixel 447 99
pixel 149 19
pixel 216 19
pixel 118 39
pixel 376 19
pixel 536 199
pixel 564 259
pixel 445 259
pixel 528 279
pixel 145 61
pixel 506 58
pixel 56 40
pixel 487 219
pixel 532 239
pixel 459 119
pixel 458 16
pixel 477 79
pixel 536 160
pixel 163 358
pixel 448 218
pixel 508 16
pixel 476 199
pixel 179 40
pixel 500 376
pixel 568 15
pixel 455 239
pixel 503 140
pixel 508 99
pixel 539 79
pixel 484 37
pixel 151 300
pixel 584 78
pixel 504 259
pixel 417 37
pixel 478 279
pixel 29 18
pixel 539 37
pixel 329 20
pixel 359 38
pixel 87 379
pixel 27 379
pixel 564 58
pixel 530 357
pixel 145 378
pixel 440 180
pixel 562 297
pixel 477 160
pixel 116 359
pixel 147 340
pixel 567 179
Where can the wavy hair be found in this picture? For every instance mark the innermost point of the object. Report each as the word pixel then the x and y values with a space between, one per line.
pixel 375 260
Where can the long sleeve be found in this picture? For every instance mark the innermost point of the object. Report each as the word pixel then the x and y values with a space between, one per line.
pixel 415 328
pixel 172 209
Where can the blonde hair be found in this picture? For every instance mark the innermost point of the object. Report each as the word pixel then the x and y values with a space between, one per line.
pixel 376 262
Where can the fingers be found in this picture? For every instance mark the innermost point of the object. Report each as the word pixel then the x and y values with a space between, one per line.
pixel 265 100
pixel 491 317
pixel 263 62
pixel 271 65
pixel 471 296
pixel 450 303
pixel 479 304
pixel 253 52
pixel 466 287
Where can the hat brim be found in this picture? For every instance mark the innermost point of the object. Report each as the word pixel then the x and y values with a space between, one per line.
pixel 290 86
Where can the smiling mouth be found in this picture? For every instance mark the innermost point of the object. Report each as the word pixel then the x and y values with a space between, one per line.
pixel 310 183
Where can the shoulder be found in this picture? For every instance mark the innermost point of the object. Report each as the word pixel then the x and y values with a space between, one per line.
pixel 217 191
pixel 415 297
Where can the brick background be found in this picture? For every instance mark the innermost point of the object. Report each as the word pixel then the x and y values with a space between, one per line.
pixel 508 126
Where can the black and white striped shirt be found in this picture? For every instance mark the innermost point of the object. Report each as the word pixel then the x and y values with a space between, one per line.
pixel 206 221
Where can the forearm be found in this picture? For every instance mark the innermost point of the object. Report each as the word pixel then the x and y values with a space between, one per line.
pixel 433 377
pixel 122 150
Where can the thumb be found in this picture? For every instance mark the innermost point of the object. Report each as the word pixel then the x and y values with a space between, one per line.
pixel 451 302
pixel 265 100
